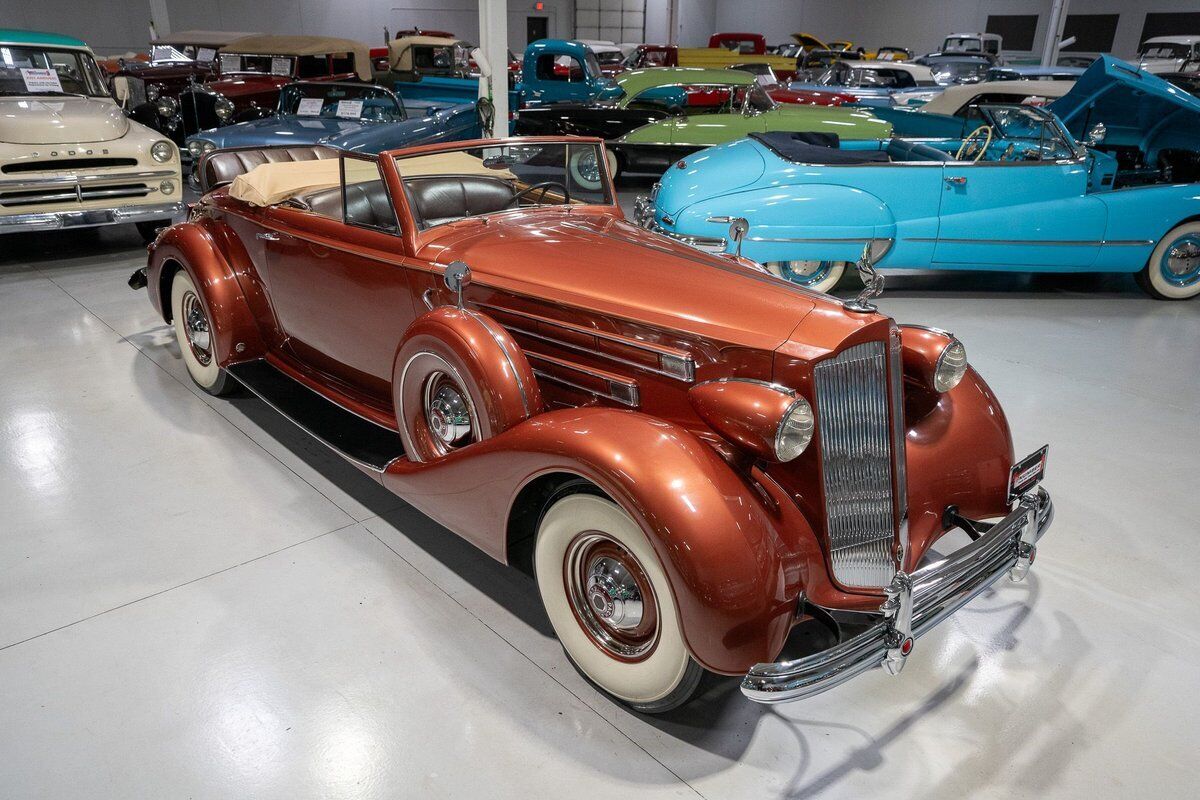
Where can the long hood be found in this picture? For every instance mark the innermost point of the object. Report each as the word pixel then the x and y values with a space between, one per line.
pixel 1131 103
pixel 281 131
pixel 60 120
pixel 611 266
pixel 234 88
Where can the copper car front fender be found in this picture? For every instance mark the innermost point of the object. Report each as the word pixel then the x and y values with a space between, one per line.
pixel 715 531
pixel 191 246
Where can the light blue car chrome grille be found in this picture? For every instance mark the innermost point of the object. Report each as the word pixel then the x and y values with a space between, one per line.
pixel 856 452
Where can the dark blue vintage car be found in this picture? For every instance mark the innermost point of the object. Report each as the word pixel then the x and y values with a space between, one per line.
pixel 346 116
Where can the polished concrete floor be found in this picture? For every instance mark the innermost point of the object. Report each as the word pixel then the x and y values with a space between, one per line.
pixel 196 600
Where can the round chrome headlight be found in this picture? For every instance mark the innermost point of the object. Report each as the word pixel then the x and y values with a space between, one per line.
pixel 162 150
pixel 167 187
pixel 194 147
pixel 951 366
pixel 153 91
pixel 795 430
pixel 166 106
pixel 207 147
pixel 223 109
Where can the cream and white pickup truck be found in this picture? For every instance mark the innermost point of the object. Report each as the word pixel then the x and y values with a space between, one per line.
pixel 69 157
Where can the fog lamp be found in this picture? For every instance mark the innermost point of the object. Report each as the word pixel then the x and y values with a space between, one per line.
pixel 167 187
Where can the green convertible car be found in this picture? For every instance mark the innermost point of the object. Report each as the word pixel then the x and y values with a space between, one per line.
pixel 664 114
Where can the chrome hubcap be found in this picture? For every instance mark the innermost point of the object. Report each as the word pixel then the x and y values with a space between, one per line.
pixel 448 412
pixel 1181 263
pixel 589 167
pixel 611 597
pixel 803 272
pixel 195 325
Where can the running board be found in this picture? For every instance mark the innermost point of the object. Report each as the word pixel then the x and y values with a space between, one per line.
pixel 349 435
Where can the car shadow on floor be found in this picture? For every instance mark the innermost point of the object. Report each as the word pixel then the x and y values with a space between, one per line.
pixel 50 247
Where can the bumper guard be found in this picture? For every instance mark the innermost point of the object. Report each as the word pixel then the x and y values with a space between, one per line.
pixel 915 604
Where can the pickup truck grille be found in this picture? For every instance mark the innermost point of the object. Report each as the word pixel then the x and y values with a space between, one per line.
pixel 852 393
pixel 72 194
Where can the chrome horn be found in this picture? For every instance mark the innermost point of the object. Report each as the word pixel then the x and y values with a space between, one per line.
pixel 872 283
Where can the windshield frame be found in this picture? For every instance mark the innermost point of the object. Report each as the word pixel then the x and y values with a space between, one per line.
pixel 1048 123
pixel 328 86
pixel 90 75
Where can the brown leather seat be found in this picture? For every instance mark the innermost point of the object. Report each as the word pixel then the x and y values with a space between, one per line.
pixel 369 204
pixel 444 199
pixel 220 167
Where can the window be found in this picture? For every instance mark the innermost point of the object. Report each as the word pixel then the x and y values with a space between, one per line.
pixel 313 67
pixel 1017 30
pixel 611 20
pixel 342 63
pixel 1094 33
pixel 74 72
pixel 1179 24
pixel 365 199
pixel 559 68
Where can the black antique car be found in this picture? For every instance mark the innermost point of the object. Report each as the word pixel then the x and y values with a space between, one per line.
pixel 149 90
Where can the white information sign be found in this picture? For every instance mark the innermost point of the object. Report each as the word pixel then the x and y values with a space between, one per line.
pixel 281 66
pixel 206 55
pixel 230 63
pixel 310 107
pixel 41 80
pixel 349 109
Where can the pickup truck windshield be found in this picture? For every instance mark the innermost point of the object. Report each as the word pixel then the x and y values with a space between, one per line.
pixel 40 71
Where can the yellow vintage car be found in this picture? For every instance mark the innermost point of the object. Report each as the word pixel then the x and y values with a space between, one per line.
pixel 69 157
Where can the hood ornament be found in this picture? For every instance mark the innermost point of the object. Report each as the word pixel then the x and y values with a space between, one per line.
pixel 872 283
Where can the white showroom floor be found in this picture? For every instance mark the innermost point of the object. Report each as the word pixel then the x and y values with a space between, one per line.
pixel 198 601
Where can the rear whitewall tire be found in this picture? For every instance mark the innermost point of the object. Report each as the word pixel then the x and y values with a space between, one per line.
pixel 201 362
pixel 1158 279
pixel 659 680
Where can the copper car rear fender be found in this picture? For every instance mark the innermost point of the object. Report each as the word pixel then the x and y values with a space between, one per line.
pixel 717 533
pixel 188 246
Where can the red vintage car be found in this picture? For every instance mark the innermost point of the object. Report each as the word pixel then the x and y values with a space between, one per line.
pixel 693 458
pixel 253 70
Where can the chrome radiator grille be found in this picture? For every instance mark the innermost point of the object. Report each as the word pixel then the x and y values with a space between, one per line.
pixel 856 451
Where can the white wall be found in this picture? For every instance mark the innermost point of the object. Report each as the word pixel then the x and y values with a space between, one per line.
pixel 122 25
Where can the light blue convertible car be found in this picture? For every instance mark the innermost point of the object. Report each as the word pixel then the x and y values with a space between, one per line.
pixel 346 116
pixel 1018 192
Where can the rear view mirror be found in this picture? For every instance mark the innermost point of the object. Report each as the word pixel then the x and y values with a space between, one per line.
pixel 457 278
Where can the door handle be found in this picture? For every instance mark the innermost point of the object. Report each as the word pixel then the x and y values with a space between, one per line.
pixel 267 237
pixel 956 180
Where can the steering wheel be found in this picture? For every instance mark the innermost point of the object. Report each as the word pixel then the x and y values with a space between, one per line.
pixel 966 151
pixel 545 186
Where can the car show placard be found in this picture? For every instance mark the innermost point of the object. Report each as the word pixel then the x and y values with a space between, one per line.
pixel 310 107
pixel 350 109
pixel 41 80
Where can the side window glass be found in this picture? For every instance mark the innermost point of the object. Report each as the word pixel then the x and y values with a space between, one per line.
pixel 365 199
pixel 559 68
pixel 313 67
pixel 342 63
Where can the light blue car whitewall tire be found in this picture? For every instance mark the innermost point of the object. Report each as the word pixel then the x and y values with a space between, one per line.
pixel 820 276
pixel 1173 270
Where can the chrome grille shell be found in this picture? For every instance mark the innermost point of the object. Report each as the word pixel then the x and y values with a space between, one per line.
pixel 857 436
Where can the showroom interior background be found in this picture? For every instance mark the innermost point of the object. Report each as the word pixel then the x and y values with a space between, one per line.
pixel 123 26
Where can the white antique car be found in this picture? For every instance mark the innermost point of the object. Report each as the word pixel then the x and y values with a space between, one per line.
pixel 1161 54
pixel 69 157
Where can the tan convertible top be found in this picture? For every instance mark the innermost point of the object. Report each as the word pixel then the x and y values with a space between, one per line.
pixel 400 50
pixel 202 38
pixel 274 183
pixel 271 45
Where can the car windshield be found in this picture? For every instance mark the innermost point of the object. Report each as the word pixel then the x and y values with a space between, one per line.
pixel 170 54
pixel 609 57
pixel 234 63
pixel 449 185
pixel 1027 125
pixel 842 74
pixel 40 71
pixel 962 44
pixel 365 102
pixel 1165 50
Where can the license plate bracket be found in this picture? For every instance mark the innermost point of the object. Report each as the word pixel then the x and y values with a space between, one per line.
pixel 1027 473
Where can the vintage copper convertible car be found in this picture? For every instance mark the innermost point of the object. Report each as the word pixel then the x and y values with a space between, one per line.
pixel 692 457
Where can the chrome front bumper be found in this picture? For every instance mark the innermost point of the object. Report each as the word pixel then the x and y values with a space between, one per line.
pixel 915 603
pixel 90 218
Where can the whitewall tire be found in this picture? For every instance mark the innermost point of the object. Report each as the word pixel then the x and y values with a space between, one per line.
pixel 611 604
pixel 193 333
pixel 614 164
pixel 820 276
pixel 1173 271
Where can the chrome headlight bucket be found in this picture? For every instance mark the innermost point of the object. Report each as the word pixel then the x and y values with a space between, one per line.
pixel 795 431
pixel 162 151
pixel 195 148
pixel 153 91
pixel 223 108
pixel 166 106
pixel 951 366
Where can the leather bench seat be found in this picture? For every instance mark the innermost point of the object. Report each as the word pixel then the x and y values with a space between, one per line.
pixel 436 200
pixel 220 167
pixel 901 150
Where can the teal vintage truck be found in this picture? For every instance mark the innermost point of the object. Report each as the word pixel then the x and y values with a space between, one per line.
pixel 439 69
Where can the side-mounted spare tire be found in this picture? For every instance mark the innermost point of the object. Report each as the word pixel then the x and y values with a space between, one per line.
pixel 459 378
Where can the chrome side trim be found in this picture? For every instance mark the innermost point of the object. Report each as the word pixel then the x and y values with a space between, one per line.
pixel 1039 242
pixel 938 590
